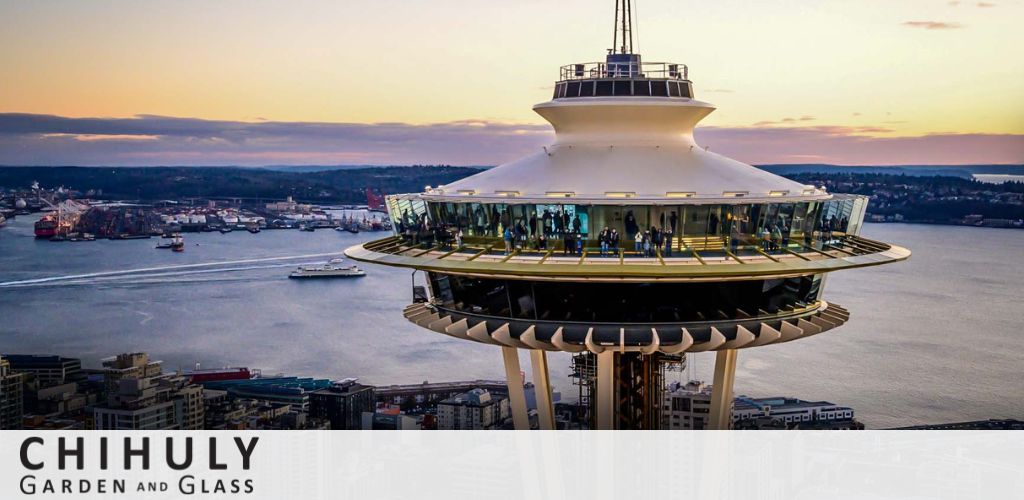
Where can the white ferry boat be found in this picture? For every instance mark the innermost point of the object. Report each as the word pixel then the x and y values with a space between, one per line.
pixel 332 269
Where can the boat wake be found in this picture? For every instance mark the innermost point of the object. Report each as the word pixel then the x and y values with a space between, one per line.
pixel 141 275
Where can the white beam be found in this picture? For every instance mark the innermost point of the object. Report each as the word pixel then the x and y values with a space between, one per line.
pixel 606 391
pixel 721 392
pixel 542 389
pixel 516 394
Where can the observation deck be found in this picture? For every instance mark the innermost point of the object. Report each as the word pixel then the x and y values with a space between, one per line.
pixel 704 259
pixel 624 75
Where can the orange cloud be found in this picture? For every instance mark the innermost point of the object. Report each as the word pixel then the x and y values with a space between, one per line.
pixel 933 25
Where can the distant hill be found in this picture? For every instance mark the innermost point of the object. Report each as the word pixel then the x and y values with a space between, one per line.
pixel 964 171
pixel 154 183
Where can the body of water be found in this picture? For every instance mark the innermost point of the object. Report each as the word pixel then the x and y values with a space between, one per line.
pixel 938 338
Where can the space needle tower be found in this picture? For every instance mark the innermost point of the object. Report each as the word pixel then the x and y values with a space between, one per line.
pixel 627 244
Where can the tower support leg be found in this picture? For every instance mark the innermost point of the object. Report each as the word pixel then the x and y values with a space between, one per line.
pixel 542 389
pixel 516 394
pixel 606 391
pixel 721 391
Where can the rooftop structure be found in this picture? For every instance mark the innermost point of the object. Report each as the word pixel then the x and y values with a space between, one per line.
pixel 626 240
pixel 294 391
pixel 48 370
pixel 343 404
pixel 477 409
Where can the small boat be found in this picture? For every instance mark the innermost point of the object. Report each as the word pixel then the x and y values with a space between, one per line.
pixel 253 229
pixel 226 229
pixel 178 243
pixel 3 220
pixel 332 269
pixel 307 227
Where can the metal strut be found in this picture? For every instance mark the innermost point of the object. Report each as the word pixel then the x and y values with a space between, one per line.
pixel 623 25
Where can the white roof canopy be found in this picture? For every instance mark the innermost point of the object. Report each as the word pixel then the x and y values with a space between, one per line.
pixel 613 150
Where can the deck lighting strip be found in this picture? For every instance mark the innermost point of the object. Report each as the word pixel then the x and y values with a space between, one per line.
pixel 450 252
pixel 560 194
pixel 431 249
pixel 794 253
pixel 847 252
pixel 546 255
pixel 762 252
pixel 481 252
pixel 509 256
pixel 680 194
pixel 620 194
pixel 826 254
pixel 730 254
pixel 697 256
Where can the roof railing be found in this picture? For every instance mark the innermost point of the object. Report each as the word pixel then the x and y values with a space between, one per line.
pixel 649 70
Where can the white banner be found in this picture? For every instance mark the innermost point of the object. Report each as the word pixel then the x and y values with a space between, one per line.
pixel 409 465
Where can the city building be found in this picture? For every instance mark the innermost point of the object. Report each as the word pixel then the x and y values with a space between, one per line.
pixel 11 396
pixel 188 401
pixel 343 404
pixel 137 404
pixel 428 394
pixel 135 365
pixel 477 409
pixel 389 419
pixel 530 391
pixel 47 370
pixel 688 406
pixel 293 391
pixel 141 397
pixel 627 244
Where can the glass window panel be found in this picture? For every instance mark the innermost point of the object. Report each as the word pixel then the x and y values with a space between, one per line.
pixel 642 88
pixel 587 88
pixel 659 88
pixel 673 89
pixel 573 90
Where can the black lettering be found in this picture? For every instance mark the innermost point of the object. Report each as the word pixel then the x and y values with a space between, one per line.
pixel 103 453
pixel 24 455
pixel 186 485
pixel 213 456
pixel 28 484
pixel 246 451
pixel 170 454
pixel 63 452
pixel 142 452
pixel 119 486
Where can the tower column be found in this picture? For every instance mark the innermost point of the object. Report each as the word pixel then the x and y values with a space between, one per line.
pixel 605 391
pixel 721 391
pixel 542 389
pixel 516 394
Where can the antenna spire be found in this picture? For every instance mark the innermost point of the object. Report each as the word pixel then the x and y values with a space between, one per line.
pixel 623 36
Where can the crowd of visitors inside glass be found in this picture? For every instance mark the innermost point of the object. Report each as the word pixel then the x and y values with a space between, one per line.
pixel 625 230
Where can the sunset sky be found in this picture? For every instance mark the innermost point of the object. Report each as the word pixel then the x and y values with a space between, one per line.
pixel 453 81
